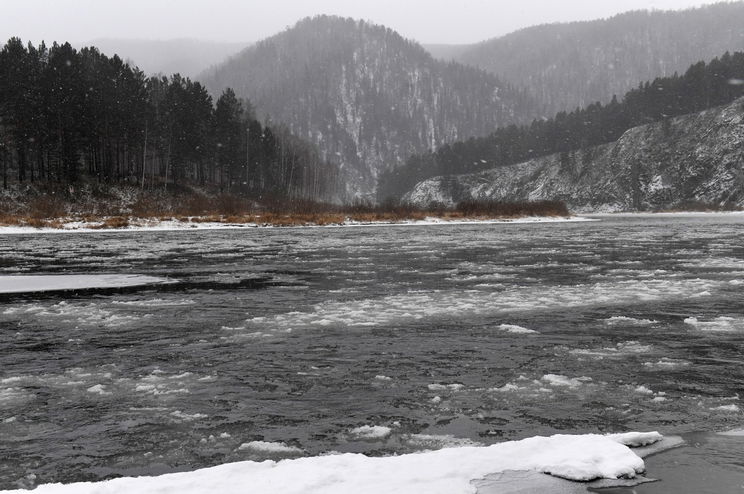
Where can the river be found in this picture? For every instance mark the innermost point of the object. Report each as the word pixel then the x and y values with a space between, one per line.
pixel 278 343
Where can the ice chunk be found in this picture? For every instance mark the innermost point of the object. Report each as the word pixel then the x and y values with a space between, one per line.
pixel 371 432
pixel 512 328
pixel 269 447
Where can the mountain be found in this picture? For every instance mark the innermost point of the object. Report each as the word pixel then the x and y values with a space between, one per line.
pixel 574 64
pixel 701 87
pixel 187 57
pixel 365 95
pixel 695 158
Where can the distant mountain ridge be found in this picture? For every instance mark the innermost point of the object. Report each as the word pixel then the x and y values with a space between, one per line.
pixel 571 65
pixel 365 95
pixel 664 165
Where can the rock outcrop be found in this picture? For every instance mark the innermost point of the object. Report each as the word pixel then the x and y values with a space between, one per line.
pixel 664 165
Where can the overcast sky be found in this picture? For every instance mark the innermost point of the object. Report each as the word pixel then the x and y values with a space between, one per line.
pixel 428 21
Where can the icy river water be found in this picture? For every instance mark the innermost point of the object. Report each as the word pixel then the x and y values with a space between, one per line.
pixel 275 343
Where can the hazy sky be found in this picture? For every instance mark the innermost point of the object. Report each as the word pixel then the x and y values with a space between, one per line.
pixel 428 21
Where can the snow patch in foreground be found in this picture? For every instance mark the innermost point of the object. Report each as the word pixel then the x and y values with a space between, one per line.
pixel 43 283
pixel 446 471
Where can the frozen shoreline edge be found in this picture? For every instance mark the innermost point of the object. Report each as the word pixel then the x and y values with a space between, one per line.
pixel 174 225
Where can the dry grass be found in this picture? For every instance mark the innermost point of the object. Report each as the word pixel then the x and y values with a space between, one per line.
pixel 98 210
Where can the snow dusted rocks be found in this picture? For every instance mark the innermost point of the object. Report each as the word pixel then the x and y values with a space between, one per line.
pixel 446 471
pixel 661 165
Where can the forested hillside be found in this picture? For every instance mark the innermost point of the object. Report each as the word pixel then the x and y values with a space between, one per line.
pixel 690 162
pixel 701 86
pixel 571 65
pixel 365 95
pixel 68 116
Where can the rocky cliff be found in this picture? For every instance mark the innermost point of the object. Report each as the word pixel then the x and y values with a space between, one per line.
pixel 698 157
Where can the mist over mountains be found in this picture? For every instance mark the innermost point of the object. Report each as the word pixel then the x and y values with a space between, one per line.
pixel 366 96
pixel 571 65
pixel 386 112
pixel 188 57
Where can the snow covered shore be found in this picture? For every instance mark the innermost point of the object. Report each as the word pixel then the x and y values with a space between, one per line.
pixel 446 471
pixel 175 225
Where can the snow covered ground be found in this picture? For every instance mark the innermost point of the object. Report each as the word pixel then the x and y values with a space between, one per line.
pixel 446 471
pixel 43 283
pixel 174 225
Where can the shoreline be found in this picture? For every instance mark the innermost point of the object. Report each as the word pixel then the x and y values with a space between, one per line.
pixel 195 224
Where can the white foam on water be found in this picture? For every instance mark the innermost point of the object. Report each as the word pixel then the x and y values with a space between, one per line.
pixel 188 417
pixel 414 306
pixel 717 325
pixel 445 471
pixel 78 314
pixel 620 350
pixel 369 432
pixel 628 321
pixel 666 363
pixel 727 408
pixel 547 386
pixel 13 396
pixel 270 448
pixel 156 302
pixel 445 387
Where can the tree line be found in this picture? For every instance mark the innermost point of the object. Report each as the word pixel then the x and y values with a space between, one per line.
pixel 70 115
pixel 702 86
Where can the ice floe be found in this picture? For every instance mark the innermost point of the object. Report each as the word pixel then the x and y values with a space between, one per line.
pixel 622 349
pixel 42 283
pixel 628 321
pixel 512 328
pixel 370 432
pixel 270 448
pixel 445 471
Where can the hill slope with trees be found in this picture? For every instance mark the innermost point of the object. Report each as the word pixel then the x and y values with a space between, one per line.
pixel 570 65
pixel 69 116
pixel 365 95
pixel 701 87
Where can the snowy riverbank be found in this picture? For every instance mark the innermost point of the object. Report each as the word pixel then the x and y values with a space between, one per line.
pixel 446 471
pixel 195 224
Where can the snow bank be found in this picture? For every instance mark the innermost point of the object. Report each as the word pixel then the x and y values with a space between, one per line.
pixel 446 471
pixel 42 283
